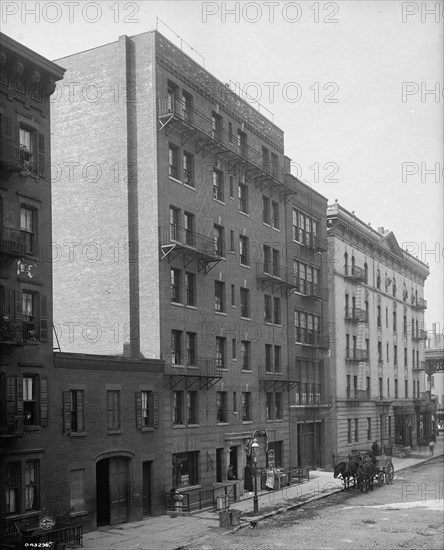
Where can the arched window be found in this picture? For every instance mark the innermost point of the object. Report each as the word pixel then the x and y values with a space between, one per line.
pixel 394 287
pixel 405 293
pixel 378 280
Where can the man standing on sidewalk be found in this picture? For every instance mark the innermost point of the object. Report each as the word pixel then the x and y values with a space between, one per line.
pixel 431 446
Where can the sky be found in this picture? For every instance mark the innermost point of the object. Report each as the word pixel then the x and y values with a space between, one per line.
pixel 356 85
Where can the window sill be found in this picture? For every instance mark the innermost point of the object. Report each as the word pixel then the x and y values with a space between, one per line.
pixel 249 371
pixel 194 425
pixel 77 434
pixel 179 426
pixel 219 201
pixel 219 423
pixel 178 304
pixel 245 318
pixel 245 265
pixel 278 229
pixel 175 180
pixel 190 307
pixel 78 514
pixel 146 429
pixel 17 516
pixel 188 186
pixel 33 428
pixel 114 432
pixel 247 422
pixel 244 213
pixel 223 313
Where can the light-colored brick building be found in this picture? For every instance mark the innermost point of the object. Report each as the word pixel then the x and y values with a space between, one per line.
pixel 377 347
pixel 181 236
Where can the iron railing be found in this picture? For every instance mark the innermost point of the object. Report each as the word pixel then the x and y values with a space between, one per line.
pixel 355 354
pixel 356 314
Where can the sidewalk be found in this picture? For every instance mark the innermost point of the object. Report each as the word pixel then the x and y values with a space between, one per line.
pixel 169 533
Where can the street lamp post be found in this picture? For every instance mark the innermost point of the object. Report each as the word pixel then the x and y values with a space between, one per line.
pixel 254 452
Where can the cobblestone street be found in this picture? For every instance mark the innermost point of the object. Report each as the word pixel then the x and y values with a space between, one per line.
pixel 407 515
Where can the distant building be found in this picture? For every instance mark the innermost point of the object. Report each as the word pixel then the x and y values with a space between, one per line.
pixel 377 354
pixel 27 81
pixel 183 238
pixel 434 358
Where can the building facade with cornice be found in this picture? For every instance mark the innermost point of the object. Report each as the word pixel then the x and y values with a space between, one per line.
pixel 183 238
pixel 376 316
pixel 27 80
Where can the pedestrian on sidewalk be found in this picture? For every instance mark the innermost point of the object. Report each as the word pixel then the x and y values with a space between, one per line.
pixel 431 446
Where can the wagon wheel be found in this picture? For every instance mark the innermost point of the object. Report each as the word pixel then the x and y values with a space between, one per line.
pixel 389 473
pixel 380 477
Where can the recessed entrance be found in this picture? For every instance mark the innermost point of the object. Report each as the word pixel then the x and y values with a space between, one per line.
pixel 112 491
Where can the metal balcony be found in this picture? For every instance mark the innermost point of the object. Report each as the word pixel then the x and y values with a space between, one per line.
pixel 357 396
pixel 272 378
pixel 12 243
pixel 419 336
pixel 191 371
pixel 192 124
pixel 275 277
pixel 419 304
pixel 356 273
pixel 356 315
pixel 356 355
pixel 11 332
pixel 175 240
pixel 14 158
pixel 12 425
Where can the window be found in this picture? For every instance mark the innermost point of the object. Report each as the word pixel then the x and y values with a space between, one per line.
pixel 187 106
pixel 231 186
pixel 267 259
pixel 268 358
pixel 245 354
pixel 245 302
pixel 348 388
pixel 406 388
pixel 190 288
pixel 26 139
pixel 113 409
pixel 276 266
pixel 32 489
pixel 192 409
pixel 405 358
pixel 191 349
pixel 12 487
pixel 216 126
pixel 189 228
pixel 277 358
pixel 172 96
pixel 234 349
pixel 388 387
pixel 349 430
pixel 381 393
pixel 185 469
pixel 230 132
pixel 379 352
pixel 369 429
pixel 29 300
pixel 176 347
pixel 76 410
pixel 77 503
pixel 243 250
pixel 274 165
pixel 394 287
pixel 277 311
pixel 378 316
pixel 219 294
pixel 29 399
pixel 387 351
pixel 178 407
pixel 175 228
pixel 267 309
pixel 218 185
pixel 220 352
pixel 242 143
pixel 232 242
pixel 246 406
pixel 243 198
pixel 278 406
pixel 395 328
pixel 395 355
pixel 221 406
pixel 404 325
pixel 356 429
pixel 368 388
pixel 307 328
pixel 378 279
pixel 146 409
pixel 269 406
pixel 266 212
pixel 266 159
pixel 386 317
pixel 396 388
pixel 28 219
pixel 275 214
pixel 219 246
pixel 305 228
pixel 233 296
pixel 188 169
pixel 175 280
pixel 173 161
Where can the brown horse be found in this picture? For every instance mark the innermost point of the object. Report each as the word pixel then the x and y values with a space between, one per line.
pixel 346 470
pixel 365 475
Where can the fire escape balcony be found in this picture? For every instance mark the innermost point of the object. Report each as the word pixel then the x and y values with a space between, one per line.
pixel 191 371
pixel 15 159
pixel 419 336
pixel 310 289
pixel 275 277
pixel 419 304
pixel 11 332
pixel 356 355
pixel 314 243
pixel 356 273
pixel 194 125
pixel 175 240
pixel 12 243
pixel 274 378
pixel 356 315
pixel 12 425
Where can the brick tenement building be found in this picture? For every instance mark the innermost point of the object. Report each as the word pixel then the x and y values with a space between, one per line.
pixel 27 81
pixel 377 349
pixel 182 237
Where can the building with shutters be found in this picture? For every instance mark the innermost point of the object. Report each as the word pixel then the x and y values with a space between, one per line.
pixel 377 341
pixel 27 81
pixel 182 237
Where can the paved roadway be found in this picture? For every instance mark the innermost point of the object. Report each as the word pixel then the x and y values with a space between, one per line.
pixel 407 515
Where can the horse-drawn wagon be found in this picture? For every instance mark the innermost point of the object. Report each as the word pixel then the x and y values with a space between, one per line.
pixel 364 468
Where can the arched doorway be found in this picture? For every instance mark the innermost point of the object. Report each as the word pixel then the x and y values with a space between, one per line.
pixel 112 477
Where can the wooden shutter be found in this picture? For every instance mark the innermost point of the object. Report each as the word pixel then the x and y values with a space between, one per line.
pixel 20 396
pixel 18 313
pixel 67 412
pixel 80 411
pixel 139 410
pixel 11 399
pixel 155 409
pixel 41 153
pixel 43 401
pixel 43 318
pixel 3 401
